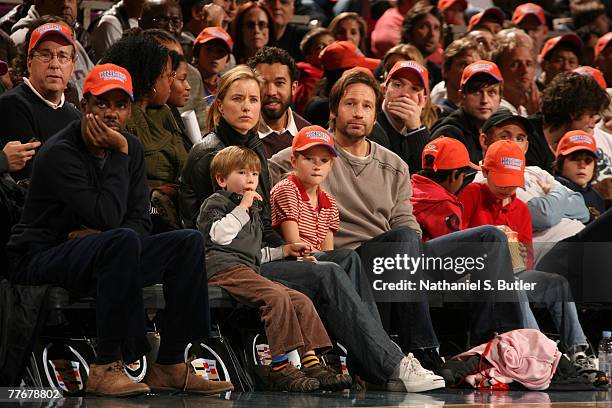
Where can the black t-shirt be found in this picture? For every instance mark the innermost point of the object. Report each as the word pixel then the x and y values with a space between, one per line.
pixel 290 41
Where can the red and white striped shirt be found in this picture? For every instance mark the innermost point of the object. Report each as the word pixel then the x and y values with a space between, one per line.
pixel 290 202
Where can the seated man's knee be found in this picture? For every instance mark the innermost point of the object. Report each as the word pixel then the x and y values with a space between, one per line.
pixel 490 233
pixel 402 234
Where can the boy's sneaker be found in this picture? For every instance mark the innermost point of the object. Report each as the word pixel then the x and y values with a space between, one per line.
pixel 586 368
pixel 291 379
pixel 413 377
pixel 328 378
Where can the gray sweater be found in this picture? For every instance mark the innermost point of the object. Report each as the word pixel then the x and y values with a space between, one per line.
pixel 232 234
pixel 372 193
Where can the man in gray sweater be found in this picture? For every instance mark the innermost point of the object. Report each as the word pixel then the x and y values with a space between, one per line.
pixel 372 188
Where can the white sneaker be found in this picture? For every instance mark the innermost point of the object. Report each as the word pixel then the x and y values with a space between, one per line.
pixel 414 377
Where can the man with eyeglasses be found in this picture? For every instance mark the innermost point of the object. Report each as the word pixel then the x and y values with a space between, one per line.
pixel 288 35
pixel 37 109
pixel 54 11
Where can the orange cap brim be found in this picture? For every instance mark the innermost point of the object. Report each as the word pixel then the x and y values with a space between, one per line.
pixel 506 179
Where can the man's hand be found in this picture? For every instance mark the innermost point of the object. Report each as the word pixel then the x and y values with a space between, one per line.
pixel 82 233
pixel 531 101
pixel 407 110
pixel 19 154
pixel 247 199
pixel 523 252
pixel 213 15
pixel 101 136
pixel 544 186
pixel 298 249
pixel 604 188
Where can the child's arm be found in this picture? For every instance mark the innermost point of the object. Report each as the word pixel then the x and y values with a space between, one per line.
pixel 290 231
pixel 328 242
pixel 222 228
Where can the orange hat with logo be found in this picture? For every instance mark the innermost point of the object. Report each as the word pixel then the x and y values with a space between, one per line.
pixel 448 153
pixel 345 54
pixel 107 77
pixel 602 43
pixel 574 141
pixel 482 67
pixel 570 39
pixel 214 33
pixel 528 9
pixel 593 73
pixel 402 67
pixel 446 4
pixel 492 13
pixel 505 163
pixel 311 136
pixel 48 29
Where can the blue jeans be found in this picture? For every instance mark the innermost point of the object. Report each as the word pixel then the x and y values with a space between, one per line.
pixel 553 290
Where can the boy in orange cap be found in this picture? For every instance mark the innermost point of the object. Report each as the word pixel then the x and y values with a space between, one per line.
pixel 576 168
pixel 495 202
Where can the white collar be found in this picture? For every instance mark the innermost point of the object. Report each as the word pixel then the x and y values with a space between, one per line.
pixel 265 130
pixel 48 102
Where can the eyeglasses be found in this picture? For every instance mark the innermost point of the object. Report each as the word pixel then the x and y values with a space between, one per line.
pixel 163 21
pixel 46 56
pixel 251 25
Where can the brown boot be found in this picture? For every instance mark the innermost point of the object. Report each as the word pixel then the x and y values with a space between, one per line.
pixel 181 377
pixel 112 381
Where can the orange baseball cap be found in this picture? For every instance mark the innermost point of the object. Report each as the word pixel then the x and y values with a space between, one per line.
pixel 481 67
pixel 311 136
pixel 574 141
pixel 358 69
pixel 214 33
pixel 492 13
pixel 48 29
pixel 446 4
pixel 505 163
pixel 402 67
pixel 106 77
pixel 528 9
pixel 602 43
pixel 448 153
pixel 593 73
pixel 345 54
pixel 570 39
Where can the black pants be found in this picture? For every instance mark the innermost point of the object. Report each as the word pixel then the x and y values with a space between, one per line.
pixel 114 266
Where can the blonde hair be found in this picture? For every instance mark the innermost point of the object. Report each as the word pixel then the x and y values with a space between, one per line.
pixel 233 158
pixel 407 51
pixel 239 72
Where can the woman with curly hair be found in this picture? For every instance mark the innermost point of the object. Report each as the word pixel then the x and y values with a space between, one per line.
pixel 251 30
pixel 151 119
pixel 349 26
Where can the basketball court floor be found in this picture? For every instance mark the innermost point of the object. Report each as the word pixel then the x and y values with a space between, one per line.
pixel 444 398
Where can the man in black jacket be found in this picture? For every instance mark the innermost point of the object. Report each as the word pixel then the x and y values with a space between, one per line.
pixel 406 90
pixel 85 227
pixel 480 94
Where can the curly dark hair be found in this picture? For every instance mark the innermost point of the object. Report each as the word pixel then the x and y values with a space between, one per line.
pixel 274 55
pixel 416 14
pixel 237 28
pixel 569 96
pixel 143 57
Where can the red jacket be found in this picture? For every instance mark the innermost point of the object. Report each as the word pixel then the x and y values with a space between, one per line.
pixel 437 210
pixel 481 207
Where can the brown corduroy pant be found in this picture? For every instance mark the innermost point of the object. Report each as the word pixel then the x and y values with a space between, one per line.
pixel 290 319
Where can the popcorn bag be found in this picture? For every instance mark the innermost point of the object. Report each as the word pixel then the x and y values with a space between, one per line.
pixel 518 262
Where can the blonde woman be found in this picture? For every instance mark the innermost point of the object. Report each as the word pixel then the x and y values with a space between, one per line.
pixel 349 26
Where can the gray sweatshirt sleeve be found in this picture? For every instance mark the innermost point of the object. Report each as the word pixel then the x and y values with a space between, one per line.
pixel 223 231
pixel 271 254
pixel 547 211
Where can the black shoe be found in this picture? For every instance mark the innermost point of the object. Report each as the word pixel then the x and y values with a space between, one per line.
pixel 429 359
